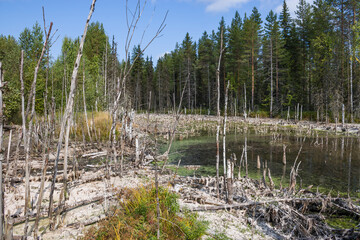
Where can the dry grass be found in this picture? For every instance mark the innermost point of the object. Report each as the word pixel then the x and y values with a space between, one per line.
pixel 98 121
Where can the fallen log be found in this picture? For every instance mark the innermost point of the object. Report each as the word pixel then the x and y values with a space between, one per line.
pixel 286 200
pixel 67 208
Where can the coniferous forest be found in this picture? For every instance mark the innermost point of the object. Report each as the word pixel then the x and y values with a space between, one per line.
pixel 250 131
pixel 274 63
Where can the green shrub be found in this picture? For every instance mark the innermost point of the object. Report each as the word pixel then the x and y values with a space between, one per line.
pixel 135 218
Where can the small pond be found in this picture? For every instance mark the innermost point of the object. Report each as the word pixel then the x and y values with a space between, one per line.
pixel 327 162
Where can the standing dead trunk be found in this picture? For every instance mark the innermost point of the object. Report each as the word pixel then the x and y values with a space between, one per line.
pixel 252 77
pixel 177 118
pixel 218 114
pixel 8 153
pixel 1 159
pixel 351 83
pixel 45 157
pixel 68 111
pixel 245 157
pixel 245 113
pixel 84 99
pixel 230 178
pixel 343 115
pixel 284 154
pixel 28 137
pixel 271 78
pixel 157 201
pixel 45 160
pixel 226 173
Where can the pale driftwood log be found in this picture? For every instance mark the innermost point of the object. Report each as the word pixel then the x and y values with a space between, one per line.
pixel 69 107
pixel 274 201
pixel 66 208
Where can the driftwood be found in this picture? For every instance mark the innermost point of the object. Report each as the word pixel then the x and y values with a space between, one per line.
pixel 67 208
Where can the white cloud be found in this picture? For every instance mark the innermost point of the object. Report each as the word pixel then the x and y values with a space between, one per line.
pixel 222 5
pixel 291 5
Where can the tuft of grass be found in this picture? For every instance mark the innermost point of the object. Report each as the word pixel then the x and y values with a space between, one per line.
pixel 135 218
pixel 98 121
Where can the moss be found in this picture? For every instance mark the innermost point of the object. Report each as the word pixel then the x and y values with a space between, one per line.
pixel 341 222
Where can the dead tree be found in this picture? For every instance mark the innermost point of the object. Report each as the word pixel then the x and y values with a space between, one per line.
pixel 218 113
pixel 173 131
pixel 224 136
pixel 28 137
pixel 65 122
pixel 271 78
pixel 132 24
pixel 85 111
pixel 45 155
pixel 1 158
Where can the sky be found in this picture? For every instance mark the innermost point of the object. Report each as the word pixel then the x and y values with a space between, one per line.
pixel 193 16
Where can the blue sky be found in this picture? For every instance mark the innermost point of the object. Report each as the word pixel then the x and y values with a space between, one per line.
pixel 193 16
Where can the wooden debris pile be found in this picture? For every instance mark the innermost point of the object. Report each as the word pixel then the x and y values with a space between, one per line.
pixel 290 214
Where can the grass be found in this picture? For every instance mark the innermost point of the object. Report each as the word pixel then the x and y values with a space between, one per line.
pixel 341 222
pixel 135 218
pixel 98 121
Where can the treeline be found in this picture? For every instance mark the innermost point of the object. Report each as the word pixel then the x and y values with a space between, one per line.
pixel 274 65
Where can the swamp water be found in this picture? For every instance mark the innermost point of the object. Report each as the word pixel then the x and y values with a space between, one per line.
pixel 330 163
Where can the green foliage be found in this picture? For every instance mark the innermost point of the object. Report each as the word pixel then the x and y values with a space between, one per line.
pixel 312 54
pixel 135 218
pixel 9 56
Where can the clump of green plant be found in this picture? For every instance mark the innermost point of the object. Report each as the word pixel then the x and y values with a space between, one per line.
pixel 136 218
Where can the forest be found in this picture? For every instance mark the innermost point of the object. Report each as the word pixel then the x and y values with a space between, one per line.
pixel 272 65
pixel 251 131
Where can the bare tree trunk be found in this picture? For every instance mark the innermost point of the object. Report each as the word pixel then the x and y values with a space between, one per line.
pixel 105 70
pixel 177 118
pixel 271 79
pixel 45 160
pixel 351 84
pixel 85 111
pixel 157 202
pixel 45 156
pixel 218 114
pixel 8 152
pixel 226 173
pixel 284 154
pixel 245 114
pixel 1 158
pixel 252 78
pixel 245 156
pixel 68 111
pixel 28 137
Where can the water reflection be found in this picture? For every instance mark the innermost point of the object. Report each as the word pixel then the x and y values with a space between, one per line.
pixel 326 161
